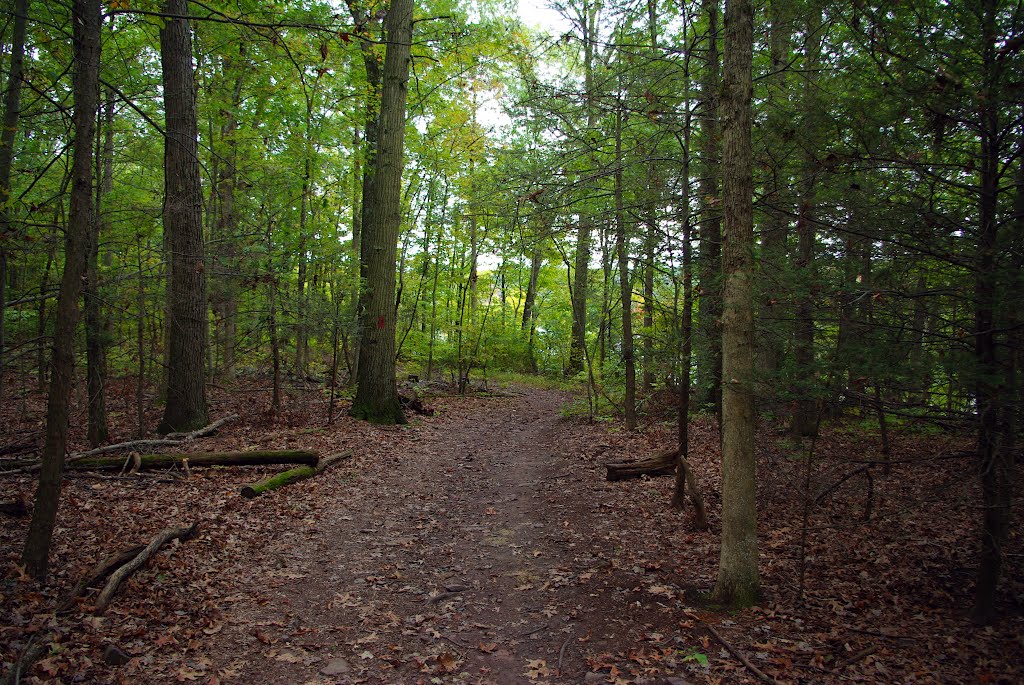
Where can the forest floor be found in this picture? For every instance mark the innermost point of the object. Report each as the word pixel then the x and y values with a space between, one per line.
pixel 483 545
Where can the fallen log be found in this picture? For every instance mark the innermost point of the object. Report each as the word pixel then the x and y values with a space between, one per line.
pixel 161 461
pixel 293 475
pixel 118 576
pixel 660 465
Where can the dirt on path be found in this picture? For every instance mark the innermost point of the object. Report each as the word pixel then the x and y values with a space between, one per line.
pixel 462 562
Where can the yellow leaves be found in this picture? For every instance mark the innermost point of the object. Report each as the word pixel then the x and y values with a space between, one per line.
pixel 536 668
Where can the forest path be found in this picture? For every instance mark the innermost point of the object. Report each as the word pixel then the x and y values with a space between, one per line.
pixel 462 559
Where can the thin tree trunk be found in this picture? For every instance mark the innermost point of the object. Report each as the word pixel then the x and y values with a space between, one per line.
pixel 709 350
pixel 95 329
pixel 625 286
pixel 738 583
pixel 9 123
pixel 578 338
pixel 805 416
pixel 186 373
pixel 86 41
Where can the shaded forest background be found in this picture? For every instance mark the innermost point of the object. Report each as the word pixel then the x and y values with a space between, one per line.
pixel 561 209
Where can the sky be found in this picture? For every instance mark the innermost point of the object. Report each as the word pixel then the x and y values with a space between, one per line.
pixel 538 14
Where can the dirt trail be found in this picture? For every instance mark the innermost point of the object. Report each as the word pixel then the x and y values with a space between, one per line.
pixel 455 563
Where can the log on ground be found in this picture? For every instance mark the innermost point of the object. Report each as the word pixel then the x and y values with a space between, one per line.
pixel 293 475
pixel 660 465
pixel 162 461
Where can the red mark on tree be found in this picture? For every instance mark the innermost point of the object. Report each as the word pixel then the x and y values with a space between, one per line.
pixel 380 322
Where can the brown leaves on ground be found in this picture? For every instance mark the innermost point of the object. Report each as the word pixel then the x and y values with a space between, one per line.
pixel 482 545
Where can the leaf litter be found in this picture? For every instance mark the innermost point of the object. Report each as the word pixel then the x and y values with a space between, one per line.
pixel 482 545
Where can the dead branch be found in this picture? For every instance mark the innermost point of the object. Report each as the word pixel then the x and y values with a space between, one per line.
pixel 118 576
pixel 33 652
pixel 739 655
pixel 98 572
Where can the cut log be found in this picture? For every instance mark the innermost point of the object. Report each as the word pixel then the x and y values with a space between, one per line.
pixel 161 461
pixel 118 576
pixel 99 572
pixel 660 465
pixel 293 475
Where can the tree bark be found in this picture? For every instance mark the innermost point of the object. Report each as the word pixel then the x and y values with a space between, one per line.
pixel 738 583
pixel 805 416
pixel 186 369
pixel 625 285
pixel 9 123
pixel 995 461
pixel 709 303
pixel 95 329
pixel 376 397
pixel 86 42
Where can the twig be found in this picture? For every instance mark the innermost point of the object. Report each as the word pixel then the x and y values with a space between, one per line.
pixel 561 653
pixel 739 655
pixel 535 630
pixel 856 657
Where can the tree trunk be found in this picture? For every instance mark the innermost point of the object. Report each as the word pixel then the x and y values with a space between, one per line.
pixel 224 287
pixel 686 329
pixel 86 41
pixel 625 286
pixel 805 416
pixel 376 397
pixel 738 582
pixel 95 329
pixel 9 123
pixel 186 372
pixel 995 460
pixel 772 317
pixel 581 269
pixel 709 312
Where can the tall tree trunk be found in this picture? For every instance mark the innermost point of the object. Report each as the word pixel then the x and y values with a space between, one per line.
pixel 224 287
pixel 774 232
pixel 738 583
pixel 186 371
pixel 85 21
pixel 625 286
pixel 651 221
pixel 357 237
pixel 9 123
pixel 994 455
pixel 709 351
pixel 805 416
pixel 581 272
pixel 376 397
pixel 95 329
